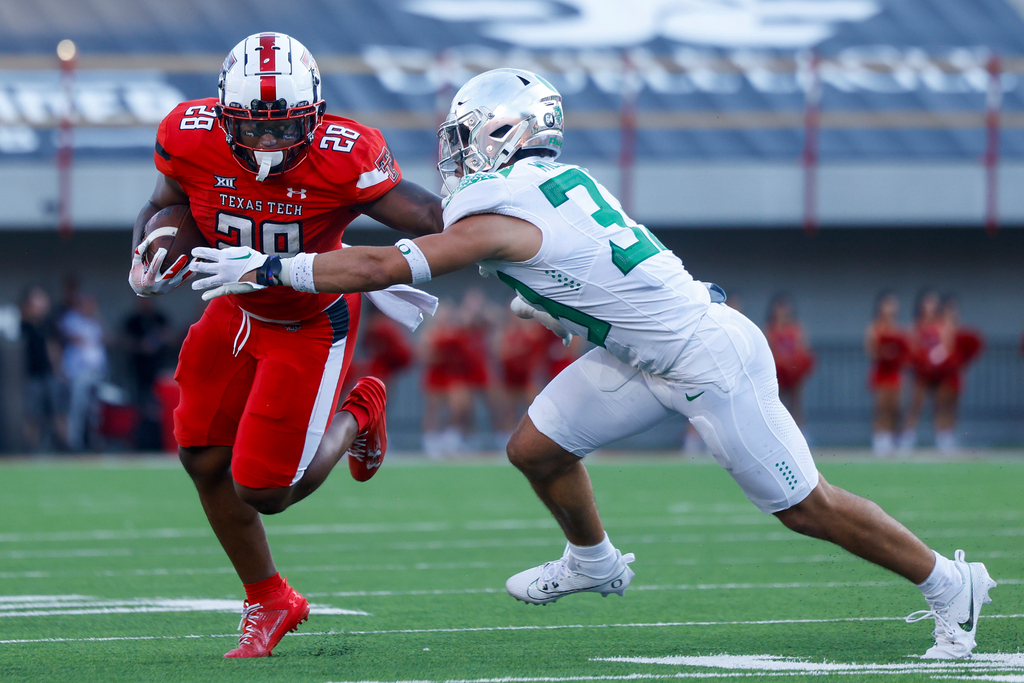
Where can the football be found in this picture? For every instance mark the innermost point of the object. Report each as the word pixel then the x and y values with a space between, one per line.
pixel 188 236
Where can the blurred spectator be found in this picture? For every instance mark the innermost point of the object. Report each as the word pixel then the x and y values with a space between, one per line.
pixel 442 353
pixel 940 351
pixel 888 350
pixel 68 295
pixel 385 345
pixel 147 334
pixel 45 427
pixel 931 344
pixel 457 373
pixel 84 364
pixel 793 358
pixel 967 345
pixel 478 326
pixel 521 349
pixel 556 356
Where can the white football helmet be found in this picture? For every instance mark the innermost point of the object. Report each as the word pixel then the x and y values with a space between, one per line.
pixel 270 103
pixel 493 116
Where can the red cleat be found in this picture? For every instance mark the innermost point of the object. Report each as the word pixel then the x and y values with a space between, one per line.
pixel 264 624
pixel 366 453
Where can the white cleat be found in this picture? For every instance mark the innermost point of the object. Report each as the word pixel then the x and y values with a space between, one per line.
pixel 553 580
pixel 957 621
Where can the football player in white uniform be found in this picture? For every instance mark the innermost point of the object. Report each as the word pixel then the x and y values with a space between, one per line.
pixel 664 344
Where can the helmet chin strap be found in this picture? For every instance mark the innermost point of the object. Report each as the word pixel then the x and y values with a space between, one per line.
pixel 267 160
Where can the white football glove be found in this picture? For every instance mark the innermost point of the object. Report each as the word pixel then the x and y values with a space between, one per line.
pixel 225 267
pixel 147 280
pixel 524 309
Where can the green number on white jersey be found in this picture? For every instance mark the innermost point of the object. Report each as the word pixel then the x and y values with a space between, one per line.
pixel 625 259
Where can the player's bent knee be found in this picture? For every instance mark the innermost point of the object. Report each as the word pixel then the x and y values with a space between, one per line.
pixel 531 456
pixel 264 501
pixel 515 451
pixel 811 516
pixel 206 463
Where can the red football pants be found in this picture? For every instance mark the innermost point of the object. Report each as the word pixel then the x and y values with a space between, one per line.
pixel 268 390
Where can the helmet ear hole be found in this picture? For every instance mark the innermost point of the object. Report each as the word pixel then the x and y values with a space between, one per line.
pixel 501 132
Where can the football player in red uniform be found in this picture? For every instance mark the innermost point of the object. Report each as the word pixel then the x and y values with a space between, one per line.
pixel 264 166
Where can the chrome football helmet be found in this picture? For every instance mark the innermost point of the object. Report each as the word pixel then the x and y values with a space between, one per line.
pixel 270 103
pixel 495 115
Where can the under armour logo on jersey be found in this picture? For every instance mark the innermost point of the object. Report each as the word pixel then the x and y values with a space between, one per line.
pixel 292 193
pixel 225 181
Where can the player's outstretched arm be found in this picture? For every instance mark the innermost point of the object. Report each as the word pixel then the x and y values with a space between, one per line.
pixel 407 207
pixel 238 270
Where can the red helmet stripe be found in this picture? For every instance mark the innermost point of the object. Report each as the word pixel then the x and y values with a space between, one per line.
pixel 268 55
pixel 268 88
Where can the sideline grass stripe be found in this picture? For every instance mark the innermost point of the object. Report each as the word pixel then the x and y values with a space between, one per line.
pixel 485 629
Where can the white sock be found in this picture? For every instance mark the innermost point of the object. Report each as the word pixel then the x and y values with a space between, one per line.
pixel 594 560
pixel 943 583
pixel 945 440
pixel 908 439
pixel 883 443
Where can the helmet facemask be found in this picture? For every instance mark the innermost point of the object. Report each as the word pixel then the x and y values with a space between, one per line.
pixel 292 131
pixel 468 145
pixel 494 116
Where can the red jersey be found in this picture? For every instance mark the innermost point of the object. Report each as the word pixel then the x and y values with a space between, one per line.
pixel 305 209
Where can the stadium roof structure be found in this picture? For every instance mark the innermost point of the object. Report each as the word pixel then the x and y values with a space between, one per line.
pixel 705 80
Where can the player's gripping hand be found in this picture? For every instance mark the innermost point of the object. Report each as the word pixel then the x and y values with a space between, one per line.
pixel 146 279
pixel 525 310
pixel 226 268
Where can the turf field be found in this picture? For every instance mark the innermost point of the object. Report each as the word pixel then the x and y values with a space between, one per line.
pixel 108 572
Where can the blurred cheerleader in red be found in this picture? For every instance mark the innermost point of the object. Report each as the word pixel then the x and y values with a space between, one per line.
pixel 888 349
pixel 793 358
pixel 522 347
pixel 940 350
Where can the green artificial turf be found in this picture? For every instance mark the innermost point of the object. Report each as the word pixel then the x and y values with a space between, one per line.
pixel 424 550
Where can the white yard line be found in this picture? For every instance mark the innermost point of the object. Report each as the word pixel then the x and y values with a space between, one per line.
pixel 749 666
pixel 295 529
pixel 64 554
pixel 282 551
pixel 678 587
pixel 479 629
pixel 77 605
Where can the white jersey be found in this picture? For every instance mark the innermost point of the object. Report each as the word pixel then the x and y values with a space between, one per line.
pixel 600 273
